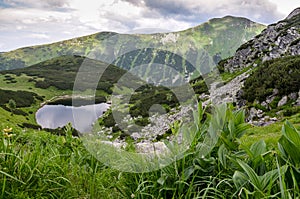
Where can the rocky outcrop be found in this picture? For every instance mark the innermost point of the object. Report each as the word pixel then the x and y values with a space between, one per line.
pixel 230 92
pixel 280 39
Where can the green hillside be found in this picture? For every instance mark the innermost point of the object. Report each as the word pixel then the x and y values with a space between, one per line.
pixel 219 37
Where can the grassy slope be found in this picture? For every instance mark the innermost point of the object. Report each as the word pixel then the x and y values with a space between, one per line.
pixel 49 80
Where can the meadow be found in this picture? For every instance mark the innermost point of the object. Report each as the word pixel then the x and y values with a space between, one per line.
pixel 246 162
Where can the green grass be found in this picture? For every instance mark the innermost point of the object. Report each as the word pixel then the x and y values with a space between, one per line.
pixel 270 134
pixel 36 164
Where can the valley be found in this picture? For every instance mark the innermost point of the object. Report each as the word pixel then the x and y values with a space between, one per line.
pixel 212 111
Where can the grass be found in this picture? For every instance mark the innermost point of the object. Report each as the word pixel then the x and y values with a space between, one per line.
pixel 36 164
pixel 40 165
pixel 270 134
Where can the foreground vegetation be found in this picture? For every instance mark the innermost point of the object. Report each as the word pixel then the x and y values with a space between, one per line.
pixel 35 164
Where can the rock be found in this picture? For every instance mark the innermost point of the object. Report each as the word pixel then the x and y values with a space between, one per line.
pixel 229 92
pixel 255 114
pixel 293 96
pixel 283 101
pixel 275 92
pixel 274 119
pixel 265 104
pixel 135 136
pixel 298 100
pixel 241 103
pixel 293 13
pixel 270 99
pixel 260 113
pixel 252 113
pixel 203 97
pixel 239 94
pixel 280 39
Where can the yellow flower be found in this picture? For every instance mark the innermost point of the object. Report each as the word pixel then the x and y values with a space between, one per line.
pixel 7 130
pixel 7 135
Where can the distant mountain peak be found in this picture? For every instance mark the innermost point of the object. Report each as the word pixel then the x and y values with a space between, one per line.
pixel 293 13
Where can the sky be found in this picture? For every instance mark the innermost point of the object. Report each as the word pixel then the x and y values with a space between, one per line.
pixel 32 22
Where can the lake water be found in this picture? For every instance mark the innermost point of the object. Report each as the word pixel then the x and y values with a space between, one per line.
pixel 82 118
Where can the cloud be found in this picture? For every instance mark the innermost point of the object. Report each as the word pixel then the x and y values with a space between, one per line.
pixel 49 4
pixel 57 20
pixel 263 11
pixel 38 36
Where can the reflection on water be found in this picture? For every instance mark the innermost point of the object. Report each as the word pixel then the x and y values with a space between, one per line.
pixel 82 118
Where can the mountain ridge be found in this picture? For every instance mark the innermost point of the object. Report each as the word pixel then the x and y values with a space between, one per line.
pixel 197 37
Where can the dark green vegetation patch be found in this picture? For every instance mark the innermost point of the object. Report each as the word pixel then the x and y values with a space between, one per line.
pixel 282 74
pixel 61 73
pixel 22 98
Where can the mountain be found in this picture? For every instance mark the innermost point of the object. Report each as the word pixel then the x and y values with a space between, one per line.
pixel 218 38
pixel 265 72
pixel 277 40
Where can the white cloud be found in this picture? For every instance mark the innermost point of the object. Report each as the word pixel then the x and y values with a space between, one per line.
pixel 38 36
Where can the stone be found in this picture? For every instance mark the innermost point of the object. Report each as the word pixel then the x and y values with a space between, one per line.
pixel 135 136
pixel 298 100
pixel 283 101
pixel 265 104
pixel 293 96
pixel 273 42
pixel 275 91
pixel 274 119
pixel 270 99
pixel 293 13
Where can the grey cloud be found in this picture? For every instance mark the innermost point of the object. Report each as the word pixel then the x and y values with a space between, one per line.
pixel 194 11
pixel 49 4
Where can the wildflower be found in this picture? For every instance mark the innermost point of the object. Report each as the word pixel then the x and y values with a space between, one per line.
pixel 7 130
pixel 7 135
pixel 132 196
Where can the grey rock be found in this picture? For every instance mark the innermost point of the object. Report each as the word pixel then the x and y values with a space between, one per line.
pixel 275 41
pixel 275 92
pixel 293 96
pixel 298 100
pixel 283 101
pixel 230 92
pixel 274 119
pixel 265 104
pixel 293 13
pixel 270 99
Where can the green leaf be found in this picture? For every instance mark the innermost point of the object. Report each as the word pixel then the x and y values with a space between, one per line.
pixel 270 177
pixel 222 152
pixel 258 148
pixel 292 134
pixel 253 177
pixel 239 179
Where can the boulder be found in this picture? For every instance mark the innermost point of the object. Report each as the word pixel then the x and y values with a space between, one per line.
pixel 283 101
pixel 293 96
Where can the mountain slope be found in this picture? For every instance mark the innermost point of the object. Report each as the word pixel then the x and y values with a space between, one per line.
pixel 217 37
pixel 277 40
pixel 268 69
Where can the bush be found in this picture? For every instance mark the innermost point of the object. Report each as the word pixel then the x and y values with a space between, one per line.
pixel 282 74
pixel 21 98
